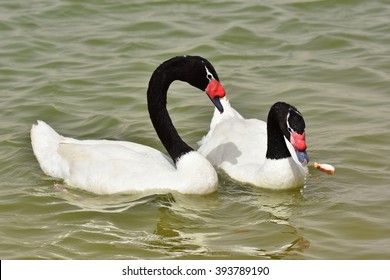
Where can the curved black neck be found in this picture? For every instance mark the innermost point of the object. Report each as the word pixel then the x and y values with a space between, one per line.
pixel 276 144
pixel 157 100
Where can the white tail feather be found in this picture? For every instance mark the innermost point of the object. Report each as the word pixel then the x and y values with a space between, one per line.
pixel 45 142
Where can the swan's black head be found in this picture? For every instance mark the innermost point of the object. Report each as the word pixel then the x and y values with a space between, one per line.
pixel 200 73
pixel 293 126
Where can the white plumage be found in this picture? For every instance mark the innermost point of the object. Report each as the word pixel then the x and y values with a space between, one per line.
pixel 107 167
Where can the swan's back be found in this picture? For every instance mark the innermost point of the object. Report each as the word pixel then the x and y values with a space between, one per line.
pixel 107 167
pixel 230 144
pixel 100 166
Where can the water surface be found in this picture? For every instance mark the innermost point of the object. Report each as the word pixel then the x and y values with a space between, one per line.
pixel 83 67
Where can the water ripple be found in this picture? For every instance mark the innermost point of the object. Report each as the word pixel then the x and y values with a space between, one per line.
pixel 83 66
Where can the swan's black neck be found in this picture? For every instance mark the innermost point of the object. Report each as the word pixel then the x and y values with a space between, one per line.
pixel 163 76
pixel 276 144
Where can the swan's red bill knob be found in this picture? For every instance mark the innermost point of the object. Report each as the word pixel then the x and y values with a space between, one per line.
pixel 216 91
pixel 298 141
pixel 299 144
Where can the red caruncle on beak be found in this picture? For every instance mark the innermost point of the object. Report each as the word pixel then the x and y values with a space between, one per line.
pixel 298 141
pixel 215 89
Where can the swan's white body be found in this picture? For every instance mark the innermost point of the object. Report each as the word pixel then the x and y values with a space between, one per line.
pixel 107 167
pixel 239 146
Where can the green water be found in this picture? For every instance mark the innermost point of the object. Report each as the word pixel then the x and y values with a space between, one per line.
pixel 83 67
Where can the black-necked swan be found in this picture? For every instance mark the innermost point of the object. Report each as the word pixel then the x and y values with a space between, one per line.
pixel 269 155
pixel 107 167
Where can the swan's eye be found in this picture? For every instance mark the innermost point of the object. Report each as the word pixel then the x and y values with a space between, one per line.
pixel 209 75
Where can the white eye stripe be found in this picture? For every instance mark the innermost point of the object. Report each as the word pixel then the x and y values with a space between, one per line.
pixel 291 109
pixel 289 128
pixel 209 75
pixel 288 124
